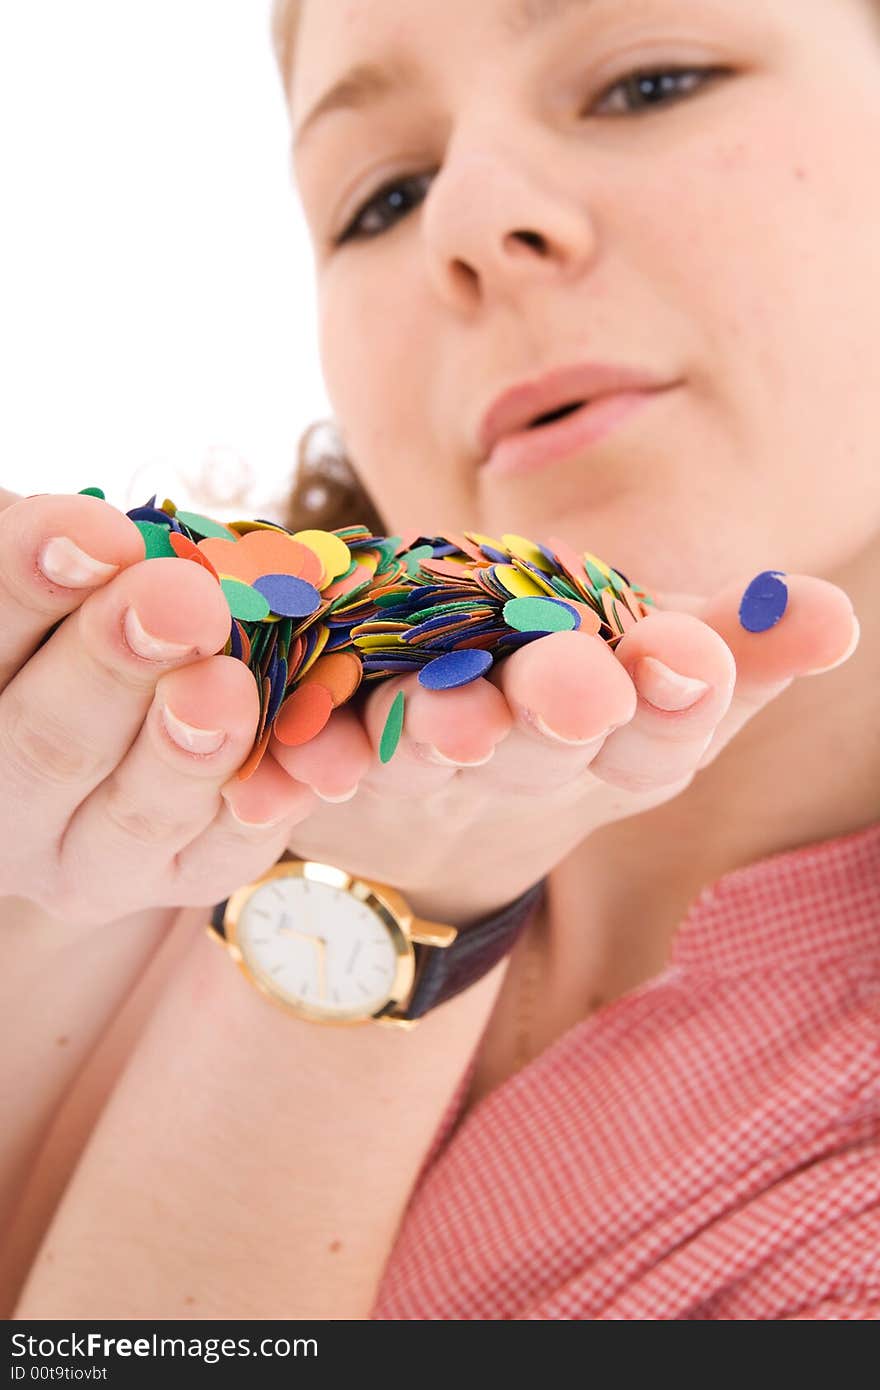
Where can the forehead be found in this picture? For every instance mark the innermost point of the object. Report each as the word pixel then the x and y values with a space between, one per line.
pixel 333 35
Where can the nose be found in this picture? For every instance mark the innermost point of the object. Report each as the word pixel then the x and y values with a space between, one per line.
pixel 493 226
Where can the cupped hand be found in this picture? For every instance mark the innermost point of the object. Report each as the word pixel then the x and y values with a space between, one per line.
pixel 493 783
pixel 103 814
pixel 98 800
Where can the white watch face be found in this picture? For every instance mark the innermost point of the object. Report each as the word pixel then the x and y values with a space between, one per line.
pixel 317 945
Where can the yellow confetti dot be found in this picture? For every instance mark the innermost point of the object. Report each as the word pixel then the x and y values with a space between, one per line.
pixel 525 549
pixel 516 583
pixel 333 553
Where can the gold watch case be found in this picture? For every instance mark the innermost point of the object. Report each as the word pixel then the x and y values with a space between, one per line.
pixel 387 903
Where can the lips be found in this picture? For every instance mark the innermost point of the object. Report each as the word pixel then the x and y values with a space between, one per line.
pixel 555 394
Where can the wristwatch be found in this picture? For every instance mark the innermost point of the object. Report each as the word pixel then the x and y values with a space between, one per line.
pixel 335 948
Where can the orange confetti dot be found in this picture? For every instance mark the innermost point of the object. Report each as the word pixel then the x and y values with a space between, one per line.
pixel 188 550
pixel 263 552
pixel 254 758
pixel 590 620
pixel 303 714
pixel 340 672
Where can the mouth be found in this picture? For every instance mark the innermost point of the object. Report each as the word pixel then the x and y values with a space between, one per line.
pixel 564 431
pixel 559 414
pixel 547 402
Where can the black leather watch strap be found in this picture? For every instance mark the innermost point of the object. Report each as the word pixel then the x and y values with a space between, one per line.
pixel 217 918
pixel 444 971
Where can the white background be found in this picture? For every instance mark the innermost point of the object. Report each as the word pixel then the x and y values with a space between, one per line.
pixel 157 313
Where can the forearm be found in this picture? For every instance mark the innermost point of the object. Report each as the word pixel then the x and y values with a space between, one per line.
pixel 59 988
pixel 250 1164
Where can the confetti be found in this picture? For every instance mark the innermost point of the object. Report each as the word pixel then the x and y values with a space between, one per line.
pixel 764 601
pixel 393 729
pixel 305 713
pixel 540 615
pixel 454 669
pixel 317 616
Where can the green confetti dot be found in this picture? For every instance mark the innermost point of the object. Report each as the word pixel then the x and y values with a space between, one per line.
pixel 537 615
pixel 205 526
pixel 93 492
pixel 413 558
pixel 598 580
pixel 393 729
pixel 245 603
pixel 156 540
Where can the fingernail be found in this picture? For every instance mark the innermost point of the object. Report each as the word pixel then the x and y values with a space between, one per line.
pixel 64 563
pixel 185 736
pixel 252 824
pixel 534 721
pixel 665 688
pixel 345 796
pixel 144 644
pixel 857 632
pixel 431 754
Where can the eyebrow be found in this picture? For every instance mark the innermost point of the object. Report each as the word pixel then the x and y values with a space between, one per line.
pixel 365 84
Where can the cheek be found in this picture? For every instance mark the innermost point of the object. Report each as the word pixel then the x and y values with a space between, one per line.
pixel 373 346
pixel 379 361
pixel 772 257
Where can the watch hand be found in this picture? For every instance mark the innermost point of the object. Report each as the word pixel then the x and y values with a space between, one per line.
pixel 322 966
pixel 306 935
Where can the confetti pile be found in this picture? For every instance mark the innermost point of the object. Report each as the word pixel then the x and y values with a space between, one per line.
pixel 316 613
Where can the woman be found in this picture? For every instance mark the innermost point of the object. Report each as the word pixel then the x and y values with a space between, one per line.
pixel 664 1103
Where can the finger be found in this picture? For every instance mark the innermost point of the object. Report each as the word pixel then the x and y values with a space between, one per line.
pixel 445 733
pixel 817 632
pixel 333 761
pixel 345 753
pixel 453 732
pixel 160 796
pixel 671 727
pixel 72 712
pixel 566 693
pixel 267 796
pixel 82 542
pixel 247 834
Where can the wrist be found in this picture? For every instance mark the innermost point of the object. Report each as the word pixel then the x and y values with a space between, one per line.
pixel 463 909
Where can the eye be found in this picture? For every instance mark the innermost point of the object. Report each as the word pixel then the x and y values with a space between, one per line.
pixel 656 85
pixel 657 88
pixel 392 195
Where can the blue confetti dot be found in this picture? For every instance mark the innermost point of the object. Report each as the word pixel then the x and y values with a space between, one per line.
pixel 288 596
pixel 455 668
pixel 764 601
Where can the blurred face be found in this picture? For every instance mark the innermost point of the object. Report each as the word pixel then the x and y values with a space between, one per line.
pixel 686 187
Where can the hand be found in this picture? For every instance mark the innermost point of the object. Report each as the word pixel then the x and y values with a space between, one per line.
pixel 102 814
pixel 460 841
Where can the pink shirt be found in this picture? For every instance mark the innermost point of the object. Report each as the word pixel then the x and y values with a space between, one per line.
pixel 706 1146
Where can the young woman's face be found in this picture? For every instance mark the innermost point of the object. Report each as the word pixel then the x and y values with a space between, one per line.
pixel 718 231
